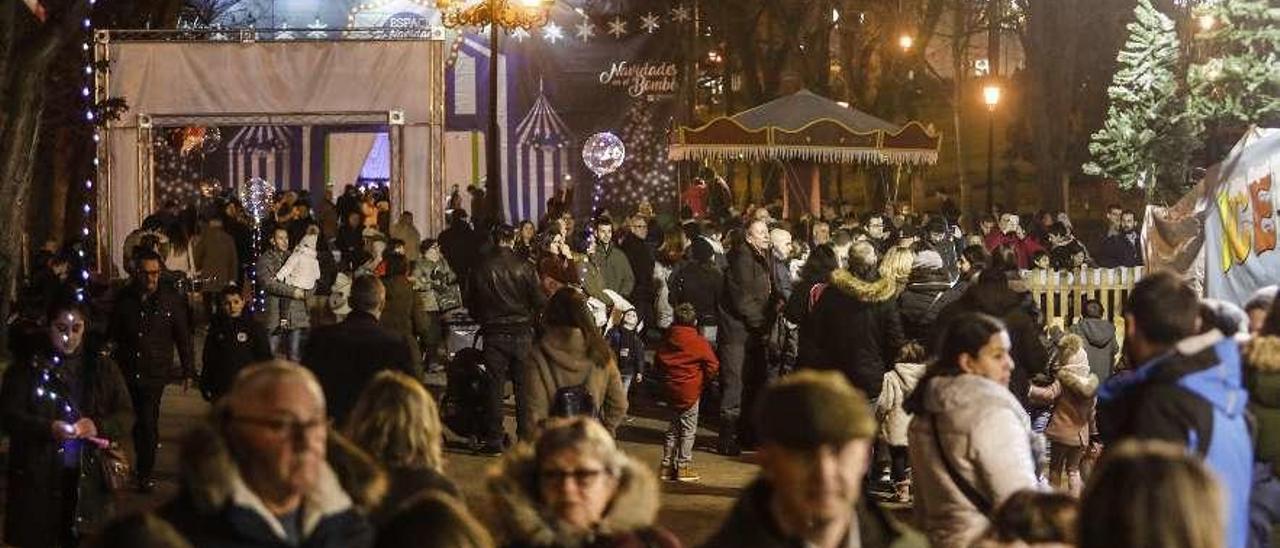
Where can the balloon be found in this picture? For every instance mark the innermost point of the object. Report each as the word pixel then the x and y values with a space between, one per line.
pixel 603 153
pixel 256 195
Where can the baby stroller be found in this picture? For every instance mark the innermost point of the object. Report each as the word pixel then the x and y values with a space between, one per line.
pixel 467 384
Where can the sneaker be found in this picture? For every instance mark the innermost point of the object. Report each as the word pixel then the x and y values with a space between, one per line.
pixel 666 472
pixel 685 473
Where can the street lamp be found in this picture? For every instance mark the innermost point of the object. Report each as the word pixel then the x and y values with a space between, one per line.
pixel 498 15
pixel 906 41
pixel 991 98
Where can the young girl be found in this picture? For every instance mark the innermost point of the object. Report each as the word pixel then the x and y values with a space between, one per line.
pixel 894 420
pixel 687 363
pixel 1068 430
pixel 302 269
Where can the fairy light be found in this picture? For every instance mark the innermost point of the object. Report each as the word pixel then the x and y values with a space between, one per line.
pixel 92 95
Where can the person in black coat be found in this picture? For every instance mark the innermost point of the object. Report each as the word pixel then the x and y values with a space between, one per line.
pixel 808 288
pixel 460 244
pixel 921 301
pixel 150 319
pixel 641 258
pixel 746 315
pixel 233 342
pixel 346 356
pixel 700 283
pixel 61 397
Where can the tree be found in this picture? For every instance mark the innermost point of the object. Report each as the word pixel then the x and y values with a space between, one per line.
pixel 1238 81
pixel 1149 135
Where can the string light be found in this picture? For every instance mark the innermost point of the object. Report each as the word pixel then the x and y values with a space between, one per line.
pixel 92 95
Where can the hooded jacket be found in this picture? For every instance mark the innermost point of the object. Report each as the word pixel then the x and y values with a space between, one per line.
pixel 856 330
pixel 1099 343
pixel 986 435
pixel 1194 396
pixel 751 524
pixel 281 302
pixel 216 508
pixel 1262 378
pixel 521 520
pixel 559 359
pixel 686 362
pixel 921 302
pixel 898 385
pixel 1073 410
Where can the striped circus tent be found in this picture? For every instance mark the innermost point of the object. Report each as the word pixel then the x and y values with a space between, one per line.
pixel 267 152
pixel 543 154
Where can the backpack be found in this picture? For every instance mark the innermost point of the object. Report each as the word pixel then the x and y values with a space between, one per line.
pixel 571 401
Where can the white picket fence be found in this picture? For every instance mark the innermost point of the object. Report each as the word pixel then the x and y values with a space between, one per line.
pixel 1061 293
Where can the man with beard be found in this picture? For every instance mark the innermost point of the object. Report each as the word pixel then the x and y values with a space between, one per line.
pixel 877 228
pixel 1120 247
pixel 816 433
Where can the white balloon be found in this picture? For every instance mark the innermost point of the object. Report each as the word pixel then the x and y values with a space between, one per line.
pixel 603 153
pixel 256 195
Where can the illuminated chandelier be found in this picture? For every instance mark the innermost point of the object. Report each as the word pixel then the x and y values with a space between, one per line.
pixel 525 14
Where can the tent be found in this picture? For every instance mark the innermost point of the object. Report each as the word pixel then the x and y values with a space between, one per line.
pixel 809 129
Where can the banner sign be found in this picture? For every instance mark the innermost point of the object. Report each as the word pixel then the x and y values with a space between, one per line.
pixel 1240 231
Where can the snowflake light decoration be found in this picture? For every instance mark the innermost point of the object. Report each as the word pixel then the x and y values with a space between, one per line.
pixel 680 14
pixel 649 22
pixel 552 33
pixel 618 27
pixel 586 31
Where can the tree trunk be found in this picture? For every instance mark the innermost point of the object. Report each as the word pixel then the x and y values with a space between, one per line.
pixel 959 66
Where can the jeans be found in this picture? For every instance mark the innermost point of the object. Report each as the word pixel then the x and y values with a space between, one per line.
pixel 503 359
pixel 627 378
pixel 287 343
pixel 681 433
pixel 146 426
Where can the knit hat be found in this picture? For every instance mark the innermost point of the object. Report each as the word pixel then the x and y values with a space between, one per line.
pixel 811 408
pixel 701 250
pixel 927 259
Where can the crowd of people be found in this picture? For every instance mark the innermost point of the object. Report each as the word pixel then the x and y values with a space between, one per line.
pixel 864 360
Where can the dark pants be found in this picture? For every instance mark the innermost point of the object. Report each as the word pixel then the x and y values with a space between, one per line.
pixel 504 354
pixel 743 374
pixel 146 427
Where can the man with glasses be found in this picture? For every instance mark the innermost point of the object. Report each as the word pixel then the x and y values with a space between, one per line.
pixel 150 320
pixel 259 475
pixel 816 432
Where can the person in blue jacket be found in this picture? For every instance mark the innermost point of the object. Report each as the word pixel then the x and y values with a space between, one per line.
pixel 1187 388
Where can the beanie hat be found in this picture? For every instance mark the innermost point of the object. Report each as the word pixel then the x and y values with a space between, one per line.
pixel 811 408
pixel 701 250
pixel 927 259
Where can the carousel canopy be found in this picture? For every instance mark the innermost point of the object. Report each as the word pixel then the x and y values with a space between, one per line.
pixel 808 127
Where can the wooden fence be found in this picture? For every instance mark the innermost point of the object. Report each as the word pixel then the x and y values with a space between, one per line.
pixel 1061 293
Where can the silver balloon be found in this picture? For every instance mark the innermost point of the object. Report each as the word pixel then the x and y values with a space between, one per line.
pixel 603 153
pixel 256 195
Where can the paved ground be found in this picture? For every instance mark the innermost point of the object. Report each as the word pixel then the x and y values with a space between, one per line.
pixel 692 511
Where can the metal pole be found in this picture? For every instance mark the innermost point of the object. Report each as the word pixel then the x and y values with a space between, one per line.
pixel 493 148
pixel 991 139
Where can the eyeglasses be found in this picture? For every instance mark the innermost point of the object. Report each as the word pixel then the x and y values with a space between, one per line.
pixel 282 426
pixel 582 477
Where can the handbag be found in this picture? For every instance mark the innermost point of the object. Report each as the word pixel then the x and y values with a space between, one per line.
pixel 115 467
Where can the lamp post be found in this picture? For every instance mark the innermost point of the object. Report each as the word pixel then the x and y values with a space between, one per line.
pixel 991 98
pixel 498 15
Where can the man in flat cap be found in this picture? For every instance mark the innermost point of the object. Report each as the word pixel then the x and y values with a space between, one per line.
pixel 815 432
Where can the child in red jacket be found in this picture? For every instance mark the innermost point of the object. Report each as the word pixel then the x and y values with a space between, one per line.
pixel 688 363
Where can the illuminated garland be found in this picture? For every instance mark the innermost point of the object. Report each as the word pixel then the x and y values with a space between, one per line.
pixel 90 93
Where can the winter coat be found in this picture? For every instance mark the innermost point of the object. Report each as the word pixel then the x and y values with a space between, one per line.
pixel 146 329
pixel 1192 396
pixel 1262 378
pixel 521 521
pixel 460 245
pixel 591 278
pixel 1012 303
pixel 1099 343
pixel 921 302
pixel 231 344
pixel 401 313
pixel 629 349
pixel 346 356
pixel 302 268
pixel 350 242
pixel 856 330
pixel 686 362
pixel 408 234
pixel 1073 410
pixel 987 436
pixel 747 294
pixel 36 494
pixel 215 508
pixel 642 262
pixel 559 359
pixel 898 385
pixel 699 284
pixel 294 314
pixel 751 524
pixel 216 258
pixel 1120 249
pixel 504 293
pixel 614 268
pixel 435 285
pixel 404 483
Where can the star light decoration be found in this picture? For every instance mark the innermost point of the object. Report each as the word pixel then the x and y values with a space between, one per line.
pixel 552 33
pixel 586 31
pixel 618 27
pixel 649 22
pixel 680 14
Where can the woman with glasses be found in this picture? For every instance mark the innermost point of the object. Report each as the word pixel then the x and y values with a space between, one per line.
pixel 63 401
pixel 572 487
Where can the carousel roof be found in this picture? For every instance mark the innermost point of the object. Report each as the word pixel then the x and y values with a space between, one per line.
pixel 542 126
pixel 809 127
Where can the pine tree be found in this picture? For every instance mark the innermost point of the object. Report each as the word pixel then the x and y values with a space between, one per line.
pixel 646 172
pixel 1238 81
pixel 1148 134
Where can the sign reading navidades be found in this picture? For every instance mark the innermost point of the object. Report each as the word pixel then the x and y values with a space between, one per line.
pixel 642 79
pixel 1240 232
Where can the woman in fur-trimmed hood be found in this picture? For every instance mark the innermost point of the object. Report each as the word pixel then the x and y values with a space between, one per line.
pixel 573 488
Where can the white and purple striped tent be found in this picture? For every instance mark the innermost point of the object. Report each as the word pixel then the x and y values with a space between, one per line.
pixel 543 151
pixel 266 152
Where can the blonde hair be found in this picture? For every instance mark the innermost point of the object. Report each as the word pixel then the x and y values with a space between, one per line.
pixel 1148 494
pixel 895 268
pixel 397 421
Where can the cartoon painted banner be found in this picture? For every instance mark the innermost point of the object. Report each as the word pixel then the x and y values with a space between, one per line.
pixel 1240 232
